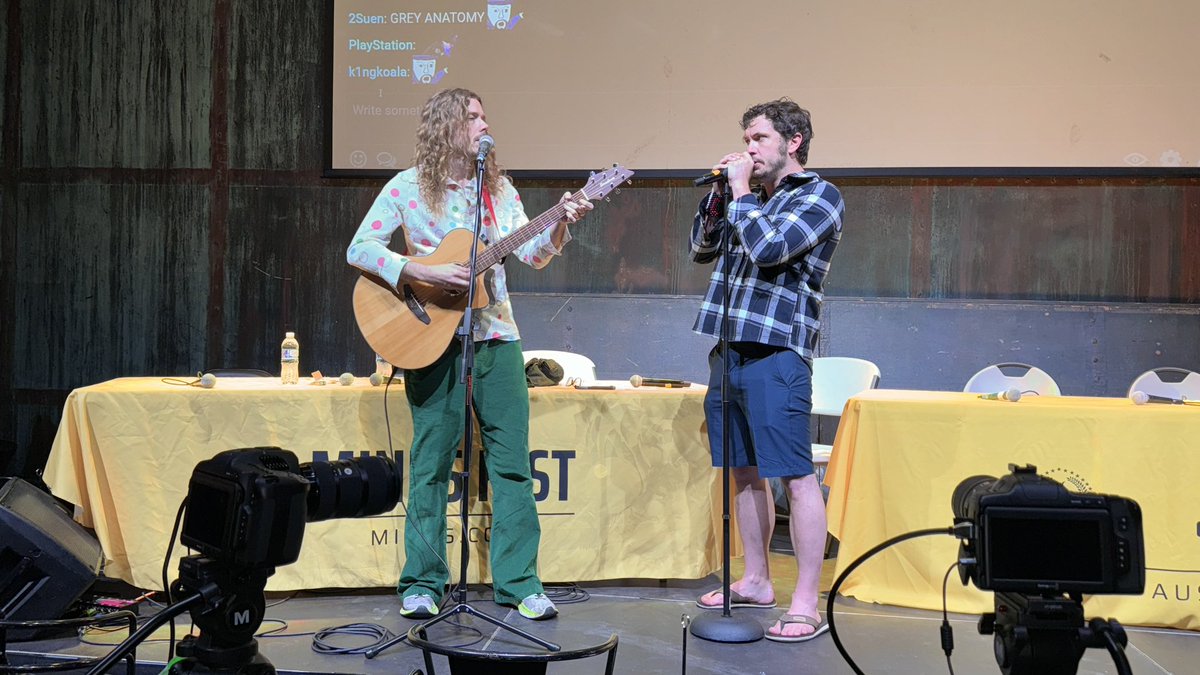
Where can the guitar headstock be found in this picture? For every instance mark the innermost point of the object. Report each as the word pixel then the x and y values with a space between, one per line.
pixel 600 184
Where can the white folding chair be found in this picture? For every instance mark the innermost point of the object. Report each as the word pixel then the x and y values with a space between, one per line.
pixel 1004 376
pixel 835 380
pixel 577 368
pixel 1176 383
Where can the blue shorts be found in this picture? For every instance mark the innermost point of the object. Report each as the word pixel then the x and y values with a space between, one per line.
pixel 770 404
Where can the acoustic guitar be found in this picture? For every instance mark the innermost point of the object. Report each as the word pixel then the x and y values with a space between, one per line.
pixel 411 327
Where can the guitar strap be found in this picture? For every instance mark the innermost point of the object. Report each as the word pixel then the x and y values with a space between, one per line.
pixel 487 200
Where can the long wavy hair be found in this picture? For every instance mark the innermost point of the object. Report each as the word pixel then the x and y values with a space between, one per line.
pixel 442 145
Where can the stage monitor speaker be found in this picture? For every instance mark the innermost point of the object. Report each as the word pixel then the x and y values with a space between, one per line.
pixel 47 560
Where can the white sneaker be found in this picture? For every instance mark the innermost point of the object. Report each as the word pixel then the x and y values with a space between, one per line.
pixel 419 606
pixel 537 607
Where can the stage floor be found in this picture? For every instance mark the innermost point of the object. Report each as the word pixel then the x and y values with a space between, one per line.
pixel 646 615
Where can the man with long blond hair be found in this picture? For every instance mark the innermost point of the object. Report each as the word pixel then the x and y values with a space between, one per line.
pixel 435 196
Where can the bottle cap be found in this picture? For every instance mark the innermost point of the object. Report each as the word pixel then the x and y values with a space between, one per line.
pixel 289 334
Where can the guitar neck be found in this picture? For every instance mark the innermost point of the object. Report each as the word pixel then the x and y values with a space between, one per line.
pixel 496 251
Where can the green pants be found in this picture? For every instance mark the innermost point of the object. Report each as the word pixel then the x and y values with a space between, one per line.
pixel 501 405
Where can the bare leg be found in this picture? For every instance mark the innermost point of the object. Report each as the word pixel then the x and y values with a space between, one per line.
pixel 755 512
pixel 807 525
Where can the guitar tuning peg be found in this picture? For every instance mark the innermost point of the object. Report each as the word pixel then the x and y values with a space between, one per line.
pixel 608 199
pixel 617 191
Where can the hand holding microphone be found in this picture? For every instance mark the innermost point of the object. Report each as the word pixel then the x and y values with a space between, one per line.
pixel 639 381
pixel 1011 394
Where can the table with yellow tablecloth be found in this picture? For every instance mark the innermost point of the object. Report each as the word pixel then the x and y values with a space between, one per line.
pixel 899 455
pixel 623 479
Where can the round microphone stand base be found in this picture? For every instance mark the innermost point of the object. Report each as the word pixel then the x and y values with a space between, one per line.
pixel 716 627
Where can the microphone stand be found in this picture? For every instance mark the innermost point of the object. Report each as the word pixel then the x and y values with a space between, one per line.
pixel 708 626
pixel 467 339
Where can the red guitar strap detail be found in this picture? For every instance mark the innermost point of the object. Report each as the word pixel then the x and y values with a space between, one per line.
pixel 487 200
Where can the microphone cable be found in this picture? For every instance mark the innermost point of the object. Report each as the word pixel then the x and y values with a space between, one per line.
pixel 853 566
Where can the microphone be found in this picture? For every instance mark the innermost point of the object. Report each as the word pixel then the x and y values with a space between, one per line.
pixel 1012 394
pixel 712 177
pixel 1142 398
pixel 486 142
pixel 639 381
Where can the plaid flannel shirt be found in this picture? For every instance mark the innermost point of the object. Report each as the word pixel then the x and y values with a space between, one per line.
pixel 780 253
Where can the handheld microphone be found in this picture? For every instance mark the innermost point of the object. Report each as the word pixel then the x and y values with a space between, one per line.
pixel 639 381
pixel 1012 394
pixel 712 177
pixel 1142 398
pixel 486 142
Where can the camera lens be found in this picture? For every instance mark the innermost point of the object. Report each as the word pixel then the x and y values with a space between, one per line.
pixel 967 492
pixel 351 488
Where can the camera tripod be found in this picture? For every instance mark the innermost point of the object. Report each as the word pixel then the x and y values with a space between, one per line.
pixel 1046 635
pixel 226 603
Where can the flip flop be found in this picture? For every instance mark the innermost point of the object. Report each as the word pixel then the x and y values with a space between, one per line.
pixel 819 627
pixel 735 600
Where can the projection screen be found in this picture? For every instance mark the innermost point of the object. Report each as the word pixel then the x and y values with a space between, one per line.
pixel 660 85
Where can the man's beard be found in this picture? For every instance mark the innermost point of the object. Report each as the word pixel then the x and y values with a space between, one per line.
pixel 772 169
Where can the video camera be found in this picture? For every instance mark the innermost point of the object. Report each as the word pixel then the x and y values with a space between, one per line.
pixel 1030 540
pixel 1032 535
pixel 247 508
pixel 246 511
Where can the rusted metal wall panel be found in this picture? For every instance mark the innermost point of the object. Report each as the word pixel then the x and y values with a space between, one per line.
pixel 635 242
pixel 286 270
pixel 115 84
pixel 861 265
pixel 276 85
pixel 110 280
pixel 1068 243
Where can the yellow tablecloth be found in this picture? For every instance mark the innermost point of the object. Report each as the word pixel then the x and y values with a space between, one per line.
pixel 623 479
pixel 900 454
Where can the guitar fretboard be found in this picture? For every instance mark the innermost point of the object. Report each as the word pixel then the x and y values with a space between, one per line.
pixel 496 251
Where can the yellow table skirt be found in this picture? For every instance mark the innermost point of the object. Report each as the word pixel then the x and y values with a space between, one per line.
pixel 623 479
pixel 900 454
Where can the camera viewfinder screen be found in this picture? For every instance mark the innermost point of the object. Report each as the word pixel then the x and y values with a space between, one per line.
pixel 1039 545
pixel 211 506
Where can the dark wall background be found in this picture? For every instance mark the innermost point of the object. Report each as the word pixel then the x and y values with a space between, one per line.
pixel 164 212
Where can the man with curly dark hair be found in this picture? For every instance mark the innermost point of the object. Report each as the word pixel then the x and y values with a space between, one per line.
pixel 782 237
pixel 438 195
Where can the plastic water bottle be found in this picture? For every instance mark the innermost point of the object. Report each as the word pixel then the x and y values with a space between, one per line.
pixel 289 360
pixel 382 367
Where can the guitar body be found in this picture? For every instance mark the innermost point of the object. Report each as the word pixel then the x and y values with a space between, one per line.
pixel 412 328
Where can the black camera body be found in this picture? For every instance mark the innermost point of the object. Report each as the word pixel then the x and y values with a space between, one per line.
pixel 247 508
pixel 1029 534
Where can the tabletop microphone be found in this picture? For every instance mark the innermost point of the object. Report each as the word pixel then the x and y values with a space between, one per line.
pixel 1142 398
pixel 639 381
pixel 1011 394
pixel 712 177
pixel 486 142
